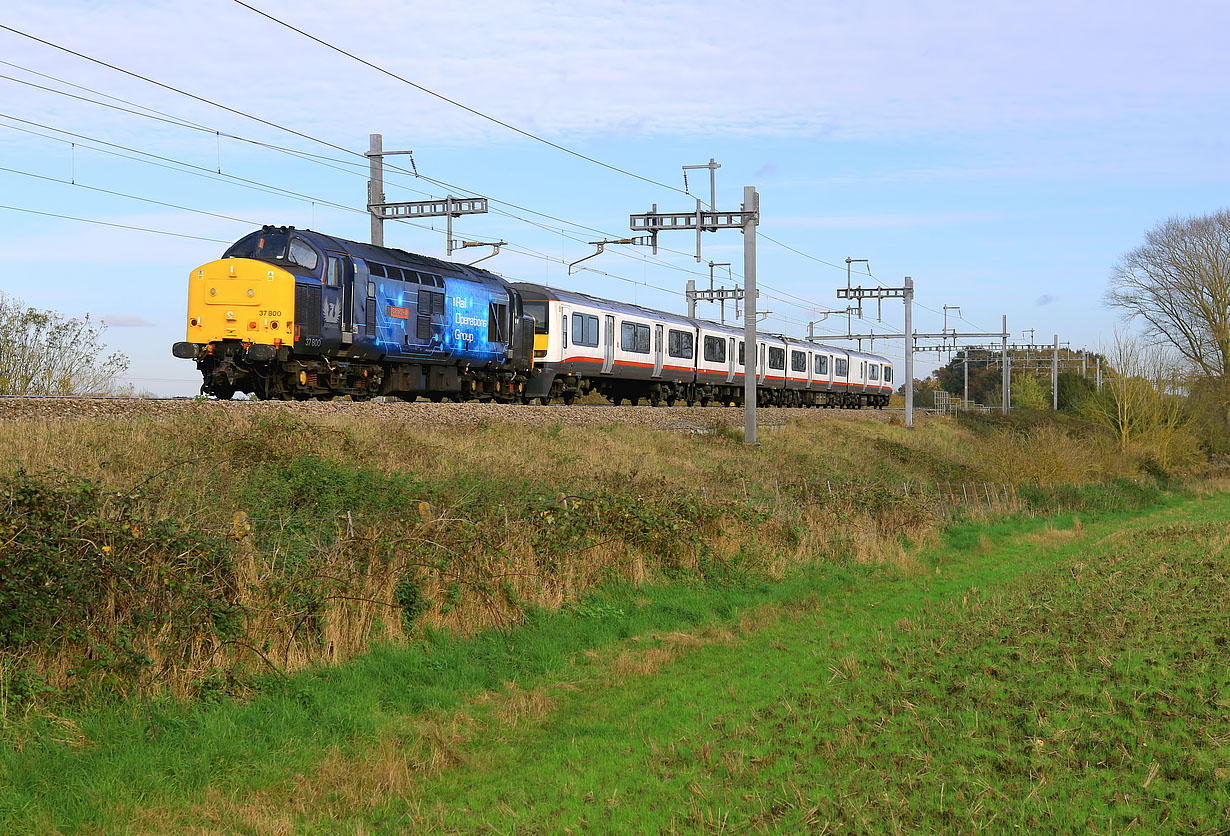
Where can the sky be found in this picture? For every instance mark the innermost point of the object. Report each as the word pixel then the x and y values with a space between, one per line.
pixel 1002 154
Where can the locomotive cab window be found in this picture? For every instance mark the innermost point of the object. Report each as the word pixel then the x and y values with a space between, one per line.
pixel 538 310
pixel 302 254
pixel 715 350
pixel 679 344
pixel 777 358
pixel 266 246
pixel 798 361
pixel 334 271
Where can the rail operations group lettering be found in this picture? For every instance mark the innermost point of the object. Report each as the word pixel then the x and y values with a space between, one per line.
pixel 461 303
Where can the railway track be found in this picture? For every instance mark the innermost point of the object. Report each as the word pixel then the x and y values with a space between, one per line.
pixel 679 418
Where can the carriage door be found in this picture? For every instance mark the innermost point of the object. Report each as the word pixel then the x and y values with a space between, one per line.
pixel 730 354
pixel 608 345
pixel 657 351
pixel 762 367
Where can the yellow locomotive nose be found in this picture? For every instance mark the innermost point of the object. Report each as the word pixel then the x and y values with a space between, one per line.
pixel 240 299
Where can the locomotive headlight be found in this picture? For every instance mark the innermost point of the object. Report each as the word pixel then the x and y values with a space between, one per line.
pixel 213 291
pixel 230 315
pixel 251 292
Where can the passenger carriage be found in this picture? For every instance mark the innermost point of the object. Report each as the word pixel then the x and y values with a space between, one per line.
pixel 622 351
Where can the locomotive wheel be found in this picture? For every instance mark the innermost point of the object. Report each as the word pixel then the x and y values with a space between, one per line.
pixel 670 400
pixel 617 400
pixel 634 401
pixel 570 398
pixel 704 400
pixel 436 397
pixel 654 400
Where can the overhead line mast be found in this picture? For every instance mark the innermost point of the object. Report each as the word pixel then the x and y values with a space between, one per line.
pixel 746 218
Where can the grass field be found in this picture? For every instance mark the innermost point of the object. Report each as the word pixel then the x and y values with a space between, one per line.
pixel 1026 675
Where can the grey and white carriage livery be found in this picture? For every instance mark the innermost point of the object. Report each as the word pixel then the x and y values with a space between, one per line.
pixel 628 353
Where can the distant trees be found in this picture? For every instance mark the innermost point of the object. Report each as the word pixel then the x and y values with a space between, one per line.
pixel 985 375
pixel 924 392
pixel 48 353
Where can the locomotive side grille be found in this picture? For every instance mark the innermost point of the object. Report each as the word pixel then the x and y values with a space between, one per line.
pixel 370 328
pixel 424 327
pixel 307 309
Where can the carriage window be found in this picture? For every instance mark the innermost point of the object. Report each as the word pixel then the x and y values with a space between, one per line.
pixel 584 329
pixel 888 374
pixel 822 364
pixel 740 352
pixel 679 344
pixel 798 361
pixel 715 350
pixel 874 371
pixel 777 358
pixel 564 331
pixel 841 367
pixel 634 337
pixel 377 270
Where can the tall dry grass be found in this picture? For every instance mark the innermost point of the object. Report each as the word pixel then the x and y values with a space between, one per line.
pixel 471 530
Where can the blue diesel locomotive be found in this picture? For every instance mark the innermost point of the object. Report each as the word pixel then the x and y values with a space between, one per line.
pixel 295 314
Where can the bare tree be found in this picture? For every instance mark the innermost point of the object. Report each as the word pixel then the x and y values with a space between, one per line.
pixel 48 353
pixel 1178 284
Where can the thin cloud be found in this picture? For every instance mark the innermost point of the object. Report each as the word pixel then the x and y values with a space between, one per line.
pixel 882 221
pixel 125 321
pixel 1044 300
pixel 575 70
